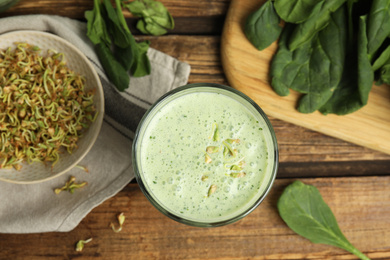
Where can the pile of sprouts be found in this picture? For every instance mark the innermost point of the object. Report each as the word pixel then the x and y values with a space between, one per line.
pixel 44 107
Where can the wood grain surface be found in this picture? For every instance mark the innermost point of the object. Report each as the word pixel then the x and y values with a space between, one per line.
pixel 247 69
pixel 147 234
pixel 353 179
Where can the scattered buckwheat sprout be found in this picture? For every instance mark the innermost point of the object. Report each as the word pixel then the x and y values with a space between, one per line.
pixel 80 244
pixel 121 219
pixel 70 186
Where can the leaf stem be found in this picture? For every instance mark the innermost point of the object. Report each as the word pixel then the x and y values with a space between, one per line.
pixel 121 16
pixel 359 254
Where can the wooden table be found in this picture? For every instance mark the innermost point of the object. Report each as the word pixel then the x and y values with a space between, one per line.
pixel 353 180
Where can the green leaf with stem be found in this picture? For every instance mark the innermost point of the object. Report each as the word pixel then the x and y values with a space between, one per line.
pixel 306 213
pixel 383 58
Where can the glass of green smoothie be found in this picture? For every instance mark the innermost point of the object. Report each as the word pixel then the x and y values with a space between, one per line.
pixel 205 155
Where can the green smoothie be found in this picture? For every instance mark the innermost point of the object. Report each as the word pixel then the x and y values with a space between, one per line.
pixel 206 156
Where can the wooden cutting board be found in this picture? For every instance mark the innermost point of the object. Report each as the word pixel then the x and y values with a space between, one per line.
pixel 246 69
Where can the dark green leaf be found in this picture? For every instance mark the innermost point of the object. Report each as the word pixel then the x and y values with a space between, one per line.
pixel 315 68
pixel 308 29
pixel 262 27
pixel 125 56
pixel 141 26
pixel 326 63
pixel 96 26
pixel 306 213
pixel 289 69
pixel 378 25
pixel 344 100
pixel 356 82
pixel 365 71
pixel 350 15
pixel 156 19
pixel 155 29
pixel 114 70
pixel 357 79
pixel 296 11
pixel 135 7
pixel 383 58
pixel 121 36
pixel 161 16
pixel 385 74
pixel 141 66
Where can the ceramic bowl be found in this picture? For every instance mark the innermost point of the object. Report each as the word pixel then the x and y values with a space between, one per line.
pixel 76 61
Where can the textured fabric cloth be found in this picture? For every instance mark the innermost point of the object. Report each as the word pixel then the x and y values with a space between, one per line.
pixel 33 208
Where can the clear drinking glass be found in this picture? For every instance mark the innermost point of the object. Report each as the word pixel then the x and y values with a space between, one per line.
pixel 173 141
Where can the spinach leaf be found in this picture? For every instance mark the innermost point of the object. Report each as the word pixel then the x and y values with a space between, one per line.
pixel 383 58
pixel 296 11
pixel 125 55
pixel 306 213
pixel 365 71
pixel 148 27
pixel 308 29
pixel 114 70
pixel 141 65
pixel 378 28
pixel 356 83
pixel 105 23
pixel 159 15
pixel 262 27
pixel 135 7
pixel 289 69
pixel 384 74
pixel 121 36
pixel 351 23
pixel 346 98
pixel 315 68
pixel 326 63
pixel 156 18
pixel 96 27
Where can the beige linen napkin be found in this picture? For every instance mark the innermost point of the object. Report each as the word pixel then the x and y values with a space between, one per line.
pixel 36 208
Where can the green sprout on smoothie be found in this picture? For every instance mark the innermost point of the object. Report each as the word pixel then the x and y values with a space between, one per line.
pixel 207 158
pixel 212 189
pixel 228 149
pixel 212 149
pixel 238 174
pixel 232 141
pixel 234 169
pixel 215 132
